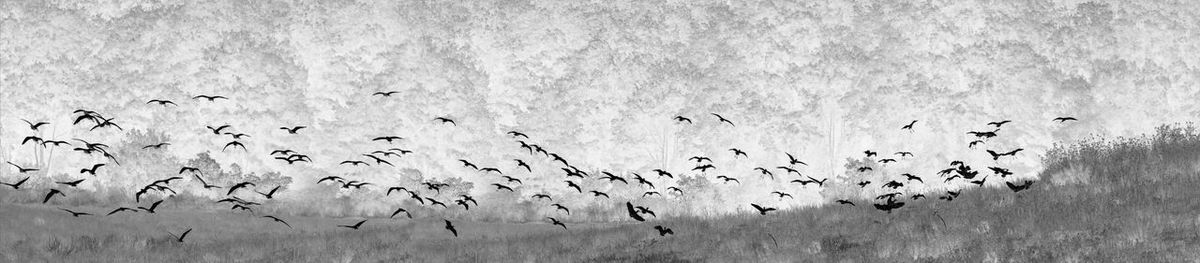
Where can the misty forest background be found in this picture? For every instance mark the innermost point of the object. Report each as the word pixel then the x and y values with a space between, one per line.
pixel 595 81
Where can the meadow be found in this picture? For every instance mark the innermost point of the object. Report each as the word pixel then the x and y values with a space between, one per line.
pixel 1122 200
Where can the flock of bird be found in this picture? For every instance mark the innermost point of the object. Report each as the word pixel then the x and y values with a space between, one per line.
pixel 238 195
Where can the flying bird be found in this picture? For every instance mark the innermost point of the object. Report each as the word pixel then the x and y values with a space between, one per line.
pixel 292 130
pixel 869 153
pixel 162 102
pixel 35 126
pixel 239 186
pixel 71 183
pixel 180 237
pixel 209 98
pixel 845 202
pixel 401 210
pixel 217 130
pixel 450 227
pixel 557 223
pixel 445 120
pixel 503 187
pixel 561 207
pixel 723 119
pixel 51 194
pixel 782 194
pixel 633 213
pixel 355 226
pixel 22 169
pixel 663 231
pixel 269 194
pixel 121 209
pixel 75 214
pixel 152 208
pixel 999 123
pixel 518 134
pixel 156 146
pixel 762 210
pixel 276 219
pixel 234 144
pixel 543 196
pixel 92 170
pixel 737 152
pixel 1018 188
pixel 683 119
pixel 1065 119
pixel 598 193
pixel 384 93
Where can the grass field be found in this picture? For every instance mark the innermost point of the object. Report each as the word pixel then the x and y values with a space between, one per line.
pixel 1124 200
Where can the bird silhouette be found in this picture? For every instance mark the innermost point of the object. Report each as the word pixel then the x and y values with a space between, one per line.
pixel 737 152
pixel 491 169
pixel 378 160
pixel 503 187
pixel 662 173
pixel 22 169
pixel 704 168
pixel 234 144
pixel 561 207
pixel 445 120
pixel 34 139
pixel 1064 119
pixel 675 189
pixel 611 177
pixel 557 223
pixel 180 237
pixel 865 168
pixel 239 186
pixel 46 143
pixel 293 129
pixel 793 161
pixel 331 178
pixel 355 226
pixel 433 202
pixel 973 143
pixel 468 164
pixel 269 194
pixel 890 205
pixel 521 163
pixel 242 207
pixel 571 184
pixel 782 194
pixel 276 219
pixel 463 203
pixel 106 123
pixel 893 184
pixel 401 210
pixel 92 170
pixel 121 209
pixel 384 93
pixel 156 146
pixel 388 139
pixel 918 196
pixel 909 126
pixel 515 134
pixel 728 179
pixel 642 180
pixel 887 160
pixel 511 179
pixel 999 123
pixel 1002 172
pixel 71 183
pixel 450 227
pixel 985 135
pixel 904 154
pixel 633 213
pixel 1018 188
pixel 162 102
pixel 17 185
pixel 543 196
pixel 911 177
pixel 645 210
pixel 870 153
pixel 51 194
pixel 699 159
pixel 152 208
pixel 237 136
pixel 979 182
pixel 217 130
pixel 682 119
pixel 209 97
pixel 723 119
pixel 598 193
pixel 354 163
pixel 888 195
pixel 996 156
pixel 663 231
pixel 762 210
pixel 845 202
pixel 75 214
pixel 764 171
pixel 35 126
pixel 649 193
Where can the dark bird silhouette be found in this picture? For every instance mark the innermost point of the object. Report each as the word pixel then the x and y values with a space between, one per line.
pixel 979 182
pixel 331 178
pixel 699 159
pixel 645 210
pixel 433 202
pixel 51 194
pixel 242 207
pixel 598 193
pixel 887 160
pixel 909 126
pixel 984 135
pixel 237 136
pixel 845 202
pixel 611 177
pixel 75 214
pixel 996 156
pixel 388 139
pixel 401 210
pixel 793 161
pixel 161 102
pixel 819 182
pixel 515 134
pixel 491 169
pixel 642 180
pixel 863 184
pixel 292 130
pixel 893 184
pixel 450 227
pixel 354 163
pixel 649 193
pixel 152 208
pixel 71 183
pixel 468 164
pixel 888 195
pixel 889 206
pixel 34 139
pixel 762 210
pixel 543 196
pixel 54 143
pixel 998 123
pixel 1065 119
pixel 1018 188
pixel 737 152
pixel 35 126
pixel 22 169
pixel 682 119
pixel 948 179
pixel 121 209
pixel 904 154
pixel 503 187
pixel 209 97
pixel 728 179
pixel 156 146
pixel 463 203
pixel 911 177
pixel 571 184
pixel 276 219
pixel 864 169
pixel 521 163
pixel 92 170
pixel 239 186
pixel 561 207
pixel 704 168
pixel 557 223
pixel 180 237
pixel 633 213
pixel 107 123
pixel 234 144
pixel 557 158
pixel 782 194
pixel 918 196
pixel 218 129
pixel 355 226
pixel 663 231
pixel 384 93
pixel 675 189
pixel 1002 172
pixel 378 160
pixel 194 170
pixel 973 143
pixel 662 173
pixel 269 194
pixel 723 119
pixel 511 179
pixel 764 171
pixel 445 120
pixel 869 153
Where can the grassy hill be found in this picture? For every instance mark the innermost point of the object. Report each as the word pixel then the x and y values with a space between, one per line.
pixel 1124 200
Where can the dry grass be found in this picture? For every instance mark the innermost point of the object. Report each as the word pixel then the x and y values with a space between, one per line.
pixel 1119 200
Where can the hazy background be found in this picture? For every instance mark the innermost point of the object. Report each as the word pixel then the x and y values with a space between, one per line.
pixel 595 81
